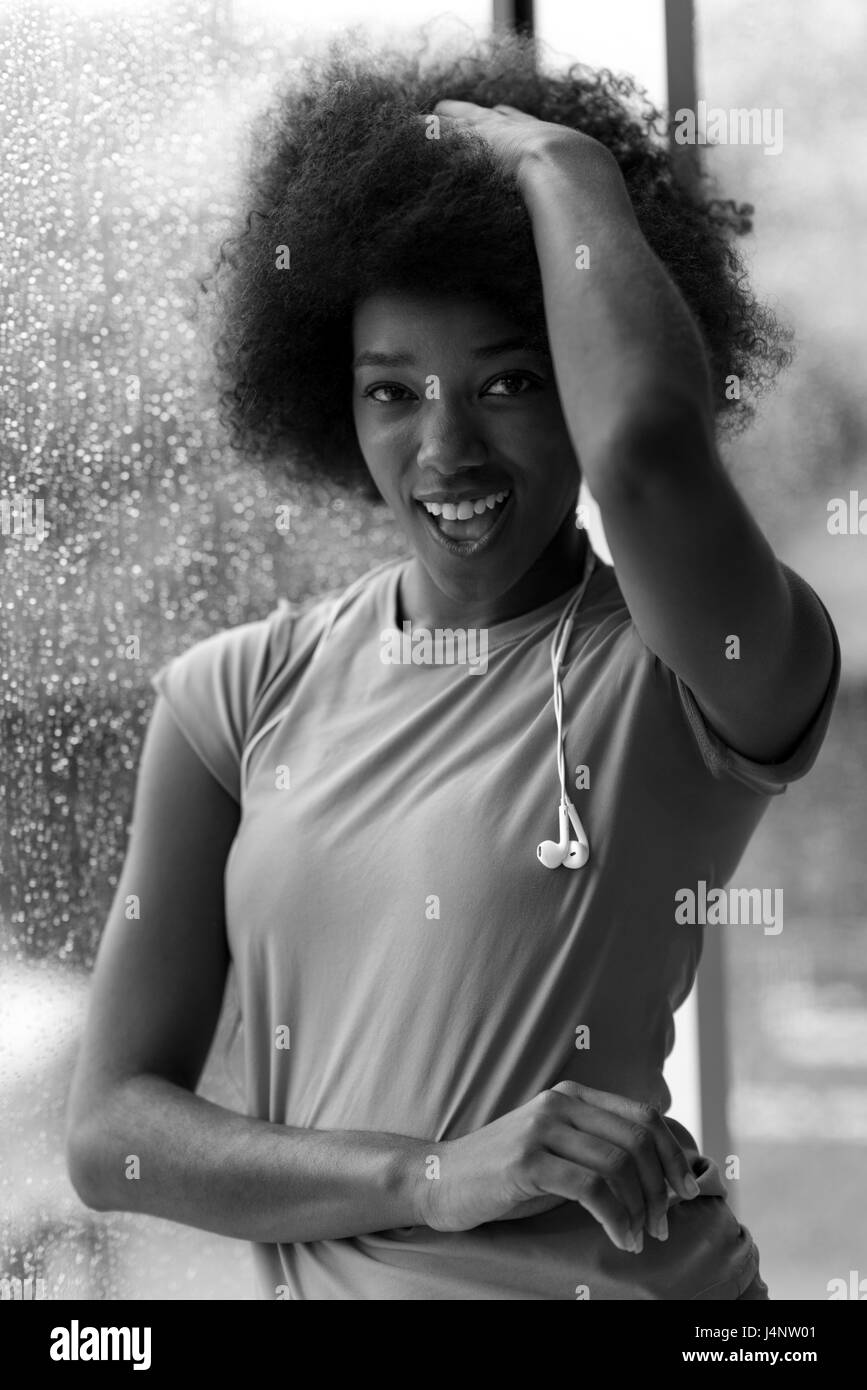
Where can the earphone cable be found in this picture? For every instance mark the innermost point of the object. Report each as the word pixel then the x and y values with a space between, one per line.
pixel 559 645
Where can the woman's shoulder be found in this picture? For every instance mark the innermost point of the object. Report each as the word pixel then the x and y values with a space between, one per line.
pixel 222 685
pixel 212 686
pixel 247 656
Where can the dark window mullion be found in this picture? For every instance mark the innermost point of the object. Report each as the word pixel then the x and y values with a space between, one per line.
pixel 514 14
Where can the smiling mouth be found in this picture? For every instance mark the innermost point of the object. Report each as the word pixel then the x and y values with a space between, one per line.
pixel 463 527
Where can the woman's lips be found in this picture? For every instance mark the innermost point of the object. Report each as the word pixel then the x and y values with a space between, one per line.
pixel 468 518
pixel 474 534
pixel 474 527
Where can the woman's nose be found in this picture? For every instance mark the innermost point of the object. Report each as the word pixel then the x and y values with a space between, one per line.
pixel 449 442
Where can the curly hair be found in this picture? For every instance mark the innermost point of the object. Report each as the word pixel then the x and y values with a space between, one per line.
pixel 346 178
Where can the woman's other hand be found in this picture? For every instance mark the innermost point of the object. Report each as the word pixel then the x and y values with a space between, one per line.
pixel 616 1157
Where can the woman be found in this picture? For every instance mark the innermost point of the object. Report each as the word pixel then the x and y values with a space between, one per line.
pixel 473 285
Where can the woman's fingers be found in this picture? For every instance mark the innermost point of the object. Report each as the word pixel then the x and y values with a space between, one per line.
pixel 675 1164
pixel 638 1142
pixel 468 110
pixel 590 1190
pixel 614 1165
pixel 472 114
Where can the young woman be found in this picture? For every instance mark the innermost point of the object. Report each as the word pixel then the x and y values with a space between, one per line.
pixel 449 886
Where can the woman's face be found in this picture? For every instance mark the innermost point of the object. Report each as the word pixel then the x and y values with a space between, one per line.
pixel 453 410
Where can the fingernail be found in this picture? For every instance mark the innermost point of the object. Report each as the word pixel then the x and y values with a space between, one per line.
pixel 638 1243
pixel 692 1186
pixel 629 1242
pixel 662 1228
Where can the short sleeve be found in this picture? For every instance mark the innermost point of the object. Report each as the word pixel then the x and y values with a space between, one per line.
pixel 212 690
pixel 768 779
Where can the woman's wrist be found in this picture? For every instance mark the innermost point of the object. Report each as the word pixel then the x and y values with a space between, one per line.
pixel 562 163
pixel 419 1172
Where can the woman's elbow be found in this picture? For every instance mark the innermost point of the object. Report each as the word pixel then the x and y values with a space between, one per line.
pixel 86 1172
pixel 82 1168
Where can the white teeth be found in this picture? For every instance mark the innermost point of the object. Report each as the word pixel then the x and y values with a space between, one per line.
pixel 462 511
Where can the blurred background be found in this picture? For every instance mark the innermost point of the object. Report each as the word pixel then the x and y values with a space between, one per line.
pixel 122 132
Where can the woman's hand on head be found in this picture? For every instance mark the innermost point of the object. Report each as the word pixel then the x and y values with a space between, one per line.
pixel 616 1157
pixel 515 137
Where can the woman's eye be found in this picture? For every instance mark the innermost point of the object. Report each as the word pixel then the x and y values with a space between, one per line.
pixel 387 392
pixel 512 384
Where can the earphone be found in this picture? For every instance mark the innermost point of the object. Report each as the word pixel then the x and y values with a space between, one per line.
pixel 571 853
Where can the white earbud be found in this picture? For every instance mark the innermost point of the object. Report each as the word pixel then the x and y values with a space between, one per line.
pixel 553 852
pixel 579 848
pixel 573 853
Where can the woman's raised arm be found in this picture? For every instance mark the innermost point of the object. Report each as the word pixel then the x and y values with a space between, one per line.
pixel 634 382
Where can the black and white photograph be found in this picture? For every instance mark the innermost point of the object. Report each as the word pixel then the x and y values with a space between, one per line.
pixel 433 519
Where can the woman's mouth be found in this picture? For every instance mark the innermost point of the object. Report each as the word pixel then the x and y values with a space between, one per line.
pixel 463 527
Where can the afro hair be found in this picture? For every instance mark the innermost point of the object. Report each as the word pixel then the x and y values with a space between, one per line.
pixel 345 177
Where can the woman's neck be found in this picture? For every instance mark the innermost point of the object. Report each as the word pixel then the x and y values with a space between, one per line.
pixel 557 570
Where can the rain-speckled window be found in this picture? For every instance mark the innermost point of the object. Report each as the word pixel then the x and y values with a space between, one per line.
pixel 123 136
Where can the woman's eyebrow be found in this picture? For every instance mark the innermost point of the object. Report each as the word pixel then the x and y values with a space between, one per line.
pixel 370 358
pixel 507 345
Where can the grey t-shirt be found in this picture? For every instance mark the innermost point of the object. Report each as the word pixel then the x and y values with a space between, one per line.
pixel 387 911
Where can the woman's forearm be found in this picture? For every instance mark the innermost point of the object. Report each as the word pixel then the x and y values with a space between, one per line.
pixel 626 349
pixel 156 1148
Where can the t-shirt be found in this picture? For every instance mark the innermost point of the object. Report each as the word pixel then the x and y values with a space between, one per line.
pixel 386 909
